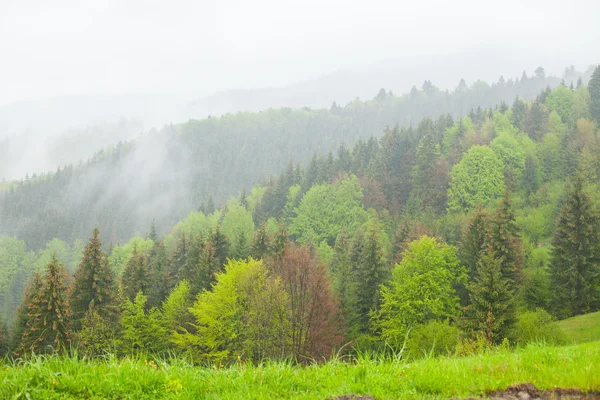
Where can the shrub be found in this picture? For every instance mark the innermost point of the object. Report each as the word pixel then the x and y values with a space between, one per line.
pixel 434 338
pixel 538 325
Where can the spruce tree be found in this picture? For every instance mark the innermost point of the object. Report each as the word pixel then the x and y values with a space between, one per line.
pixel 49 318
pixel 371 272
pixel 191 271
pixel 136 277
pixel 93 284
pixel 575 262
pixel 22 317
pixel 474 241
pixel 221 246
pixel 506 242
pixel 209 266
pixel 341 270
pixel 178 259
pixel 594 89
pixel 491 311
pixel 161 280
pixel 261 245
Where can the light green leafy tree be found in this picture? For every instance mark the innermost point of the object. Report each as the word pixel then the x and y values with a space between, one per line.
pixel 239 228
pixel 422 289
pixel 477 179
pixel 327 209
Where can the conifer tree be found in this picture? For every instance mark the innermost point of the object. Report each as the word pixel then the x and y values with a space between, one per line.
pixel 210 265
pixel 161 280
pixel 261 245
pixel 191 271
pixel 575 262
pixel 280 241
pixel 491 311
pixel 370 273
pixel 221 246
pixel 506 242
pixel 22 316
pixel 49 318
pixel 474 241
pixel 136 276
pixel 97 336
pixel 93 284
pixel 178 259
pixel 341 270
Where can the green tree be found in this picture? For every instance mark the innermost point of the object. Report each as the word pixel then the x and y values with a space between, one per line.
pixel 22 317
pixel 506 243
pixel 142 330
pixel 477 179
pixel 161 281
pixel 491 312
pixel 575 262
pixel 594 89
pixel 371 273
pixel 175 311
pixel 239 228
pixel 422 289
pixel 97 336
pixel 136 277
pixel 261 245
pixel 93 284
pixel 326 209
pixel 510 151
pixel 4 339
pixel 48 327
pixel 222 332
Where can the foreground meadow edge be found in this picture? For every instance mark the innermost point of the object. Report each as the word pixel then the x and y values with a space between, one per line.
pixel 547 367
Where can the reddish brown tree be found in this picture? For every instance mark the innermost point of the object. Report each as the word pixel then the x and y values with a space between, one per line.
pixel 314 310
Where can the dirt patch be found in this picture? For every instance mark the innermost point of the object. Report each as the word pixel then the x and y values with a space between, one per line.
pixel 527 391
pixel 351 397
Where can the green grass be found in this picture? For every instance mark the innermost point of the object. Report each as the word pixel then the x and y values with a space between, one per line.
pixel 545 366
pixel 582 328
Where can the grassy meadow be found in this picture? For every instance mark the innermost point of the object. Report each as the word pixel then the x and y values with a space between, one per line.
pixel 545 366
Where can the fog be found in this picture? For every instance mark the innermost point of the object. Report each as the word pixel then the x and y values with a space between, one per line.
pixel 76 76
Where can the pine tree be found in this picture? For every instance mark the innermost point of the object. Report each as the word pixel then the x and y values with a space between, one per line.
pixel 575 262
pixel 594 89
pixel 136 276
pixel 49 318
pixel 261 245
pixel 209 266
pixel 93 284
pixel 221 246
pixel 161 282
pixel 491 311
pixel 191 269
pixel 474 240
pixel 22 317
pixel 370 273
pixel 506 242
pixel 178 259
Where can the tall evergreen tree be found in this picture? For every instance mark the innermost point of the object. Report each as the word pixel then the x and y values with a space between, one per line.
pixel 49 318
pixel 575 262
pixel 506 242
pixel 191 269
pixel 594 89
pixel 261 245
pixel 136 277
pixel 22 316
pixel 491 311
pixel 161 280
pixel 221 246
pixel 474 240
pixel 209 266
pixel 370 274
pixel 4 339
pixel 93 284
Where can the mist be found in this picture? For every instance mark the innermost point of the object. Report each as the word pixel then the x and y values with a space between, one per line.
pixel 79 69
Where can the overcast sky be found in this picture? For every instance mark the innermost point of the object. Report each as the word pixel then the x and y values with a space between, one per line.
pixel 59 47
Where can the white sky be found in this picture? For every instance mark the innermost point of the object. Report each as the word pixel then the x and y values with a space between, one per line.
pixel 59 47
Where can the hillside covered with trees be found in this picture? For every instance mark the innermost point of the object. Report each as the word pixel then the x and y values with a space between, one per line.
pixel 444 237
pixel 165 174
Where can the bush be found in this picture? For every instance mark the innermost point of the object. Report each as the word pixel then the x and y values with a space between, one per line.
pixel 432 339
pixel 538 325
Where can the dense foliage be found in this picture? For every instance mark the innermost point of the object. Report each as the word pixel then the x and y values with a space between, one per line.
pixel 464 230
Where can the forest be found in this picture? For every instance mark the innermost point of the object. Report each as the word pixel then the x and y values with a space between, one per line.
pixel 453 232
